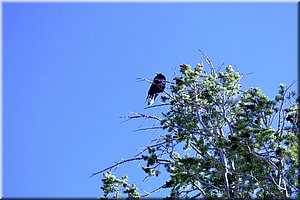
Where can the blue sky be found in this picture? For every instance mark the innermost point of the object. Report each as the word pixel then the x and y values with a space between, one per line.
pixel 70 69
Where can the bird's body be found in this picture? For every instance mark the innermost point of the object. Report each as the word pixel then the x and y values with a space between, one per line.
pixel 157 86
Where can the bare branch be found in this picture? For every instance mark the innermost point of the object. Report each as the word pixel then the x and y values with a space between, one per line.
pixel 225 174
pixel 154 106
pixel 153 191
pixel 116 165
pixel 199 188
pixel 209 62
pixel 147 129
pixel 140 115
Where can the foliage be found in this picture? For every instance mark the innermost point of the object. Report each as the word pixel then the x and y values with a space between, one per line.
pixel 112 185
pixel 236 143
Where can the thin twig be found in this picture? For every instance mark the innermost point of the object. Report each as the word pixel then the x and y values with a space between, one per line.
pixel 147 129
pixel 153 191
pixel 116 165
pixel 140 115
pixel 209 62
pixel 154 106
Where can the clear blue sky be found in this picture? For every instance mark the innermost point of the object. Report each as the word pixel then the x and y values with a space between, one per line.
pixel 70 69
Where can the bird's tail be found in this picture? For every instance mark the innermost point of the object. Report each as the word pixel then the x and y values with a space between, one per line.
pixel 150 99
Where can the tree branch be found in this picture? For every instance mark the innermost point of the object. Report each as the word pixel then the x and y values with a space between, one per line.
pixel 116 165
pixel 209 62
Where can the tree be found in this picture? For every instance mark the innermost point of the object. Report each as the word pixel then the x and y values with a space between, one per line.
pixel 235 143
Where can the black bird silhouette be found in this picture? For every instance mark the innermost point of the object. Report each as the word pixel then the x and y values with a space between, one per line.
pixel 158 85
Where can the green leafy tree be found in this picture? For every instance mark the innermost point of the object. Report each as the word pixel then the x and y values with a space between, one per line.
pixel 234 143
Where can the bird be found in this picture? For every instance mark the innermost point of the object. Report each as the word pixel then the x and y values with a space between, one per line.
pixel 158 85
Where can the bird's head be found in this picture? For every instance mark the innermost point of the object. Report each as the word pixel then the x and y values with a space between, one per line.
pixel 160 76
